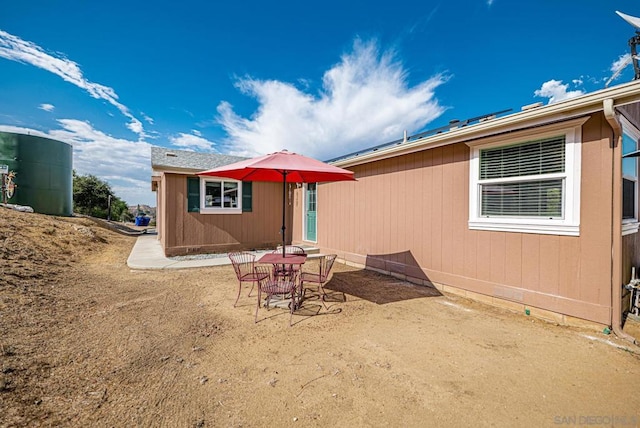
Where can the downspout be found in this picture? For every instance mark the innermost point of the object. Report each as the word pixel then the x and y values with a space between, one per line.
pixel 616 222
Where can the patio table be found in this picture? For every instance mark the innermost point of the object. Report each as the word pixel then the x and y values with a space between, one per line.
pixel 286 259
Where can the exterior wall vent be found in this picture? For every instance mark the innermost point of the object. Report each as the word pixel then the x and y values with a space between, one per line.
pixel 171 155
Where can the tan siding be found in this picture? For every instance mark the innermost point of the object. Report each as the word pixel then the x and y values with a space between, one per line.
pixel 393 218
pixel 175 207
pixel 363 211
pixel 384 243
pixel 377 191
pixel 427 209
pixel 414 215
pixel 483 256
pixel 194 232
pixel 447 220
pixel 513 259
pixel 162 200
pixel 460 207
pixel 498 257
pixel 470 253
pixel 549 264
pixel 436 210
pixel 531 261
pixel 404 205
pixel 414 209
pixel 595 221
pixel 352 236
pixel 569 277
pixel 298 210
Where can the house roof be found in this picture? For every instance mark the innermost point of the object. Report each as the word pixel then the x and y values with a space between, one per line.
pixel 163 159
pixel 621 95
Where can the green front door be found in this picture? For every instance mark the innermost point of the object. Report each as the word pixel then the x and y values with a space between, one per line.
pixel 310 205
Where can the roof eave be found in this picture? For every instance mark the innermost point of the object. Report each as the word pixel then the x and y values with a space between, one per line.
pixel 174 170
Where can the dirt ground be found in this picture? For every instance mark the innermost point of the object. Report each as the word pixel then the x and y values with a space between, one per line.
pixel 85 341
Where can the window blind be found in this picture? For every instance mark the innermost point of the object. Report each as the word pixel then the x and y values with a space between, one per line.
pixel 539 198
pixel 546 156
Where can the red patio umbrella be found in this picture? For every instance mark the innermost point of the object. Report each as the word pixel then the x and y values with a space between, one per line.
pixel 282 166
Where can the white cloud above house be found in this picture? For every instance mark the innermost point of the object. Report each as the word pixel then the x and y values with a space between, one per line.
pixel 46 107
pixel 557 91
pixel 364 100
pixel 14 48
pixel 192 142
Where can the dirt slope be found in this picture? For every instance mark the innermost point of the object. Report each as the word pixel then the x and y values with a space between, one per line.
pixel 84 341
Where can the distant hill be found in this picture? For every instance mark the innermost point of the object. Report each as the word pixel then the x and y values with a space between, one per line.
pixel 146 209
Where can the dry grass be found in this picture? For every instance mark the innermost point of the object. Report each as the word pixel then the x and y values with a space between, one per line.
pixel 84 341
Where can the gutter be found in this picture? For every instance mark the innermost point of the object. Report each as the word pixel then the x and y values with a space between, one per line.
pixel 616 221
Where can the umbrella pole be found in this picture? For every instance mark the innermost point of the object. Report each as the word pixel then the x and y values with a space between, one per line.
pixel 284 205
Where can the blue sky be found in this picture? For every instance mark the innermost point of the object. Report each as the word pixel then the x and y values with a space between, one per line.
pixel 322 79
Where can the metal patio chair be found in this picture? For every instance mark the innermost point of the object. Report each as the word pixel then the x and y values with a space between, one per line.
pixel 244 265
pixel 284 287
pixel 319 278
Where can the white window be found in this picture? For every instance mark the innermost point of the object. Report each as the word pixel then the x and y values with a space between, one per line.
pixel 220 196
pixel 528 181
pixel 630 136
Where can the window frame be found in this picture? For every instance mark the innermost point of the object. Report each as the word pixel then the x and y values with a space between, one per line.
pixel 569 223
pixel 219 210
pixel 630 225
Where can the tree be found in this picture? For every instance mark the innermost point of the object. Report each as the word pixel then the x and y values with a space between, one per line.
pixel 91 197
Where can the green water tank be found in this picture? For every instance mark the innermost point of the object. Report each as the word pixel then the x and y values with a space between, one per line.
pixel 44 172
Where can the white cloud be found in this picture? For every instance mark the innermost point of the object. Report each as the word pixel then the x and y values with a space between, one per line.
pixel 556 91
pixel 618 66
pixel 620 62
pixel 125 164
pixel 147 118
pixel 196 132
pixel 15 49
pixel 47 107
pixel 189 141
pixel 365 100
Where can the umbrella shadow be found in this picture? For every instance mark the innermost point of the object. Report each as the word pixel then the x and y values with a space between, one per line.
pixel 381 288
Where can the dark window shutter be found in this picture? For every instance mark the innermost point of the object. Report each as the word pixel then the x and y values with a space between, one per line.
pixel 193 194
pixel 628 199
pixel 247 193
